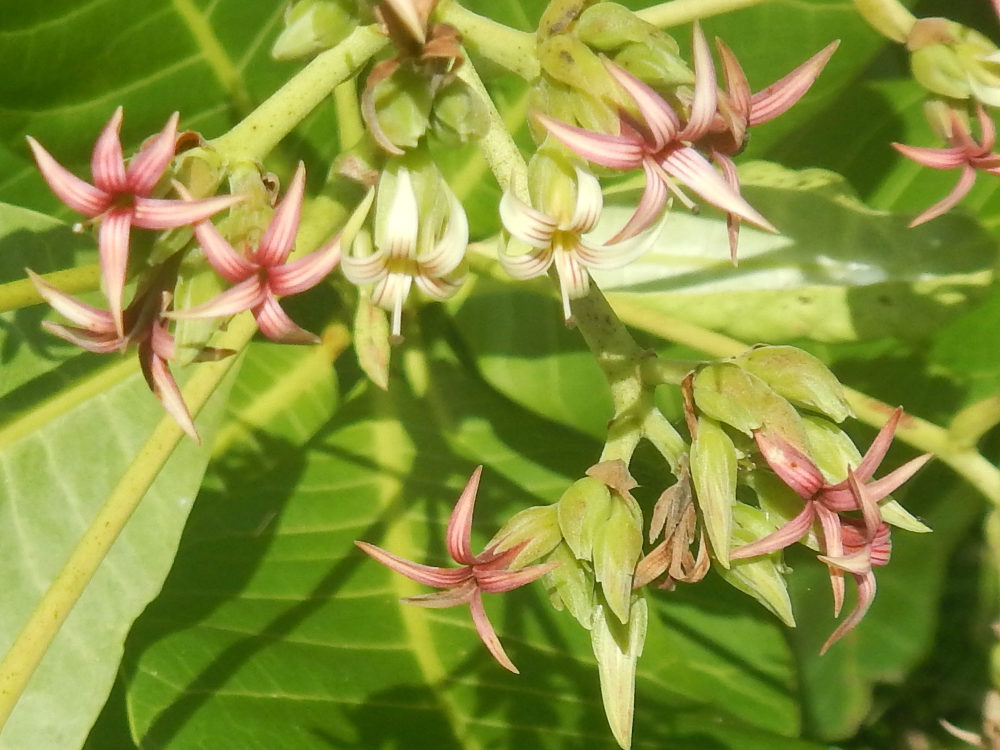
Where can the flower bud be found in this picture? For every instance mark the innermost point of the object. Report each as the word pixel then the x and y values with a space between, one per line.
pixel 617 648
pixel 459 114
pixel 402 105
pixel 799 377
pixel 609 26
pixel 954 61
pixel 617 544
pixel 581 510
pixel 572 63
pixel 571 585
pixel 713 473
pixel 657 64
pixel 535 530
pixel 312 26
pixel 760 577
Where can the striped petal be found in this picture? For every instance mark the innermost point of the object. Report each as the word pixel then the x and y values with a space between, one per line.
pixel 390 293
pixel 614 151
pixel 113 249
pixel 738 90
pixel 866 595
pixel 658 116
pixel 961 189
pixel 275 324
pixel 705 103
pixel 459 533
pixel 450 249
pixel 527 265
pixel 162 213
pixel 229 264
pixel 574 281
pixel 654 198
pixel 279 238
pixel 502 581
pixel 443 287
pixel 399 232
pixel 589 202
pixel 527 224
pixel 161 382
pixel 935 158
pixel 366 270
pixel 81 196
pixel 428 575
pixel 107 164
pixel 97 343
pixel 244 296
pixel 784 536
pixel 784 93
pixel 306 272
pixel 792 466
pixel 487 634
pixel 93 319
pixel 146 167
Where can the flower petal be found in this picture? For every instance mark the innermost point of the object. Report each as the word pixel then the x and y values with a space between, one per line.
pixel 164 213
pixel 146 167
pixel 399 232
pixel 487 634
pixel 93 319
pixel 428 575
pixel 527 265
pixel 79 195
pixel 229 264
pixel 450 249
pixel 935 158
pixel 161 382
pixel 279 238
pixel 306 272
pixel 244 296
pixel 793 466
pixel 527 224
pixel 589 202
pixel 274 323
pixel 866 595
pixel 782 94
pixel 460 524
pixel 107 164
pixel 366 270
pixel 962 187
pixel 502 581
pixel 614 151
pixel 113 249
pixel 705 103
pixel 658 116
pixel 443 287
pixel 783 536
pixel 738 90
pixel 97 343
pixel 654 198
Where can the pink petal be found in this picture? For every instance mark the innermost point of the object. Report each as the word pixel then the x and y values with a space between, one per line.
pixel 279 238
pixel 487 634
pixel 705 103
pixel 244 296
pixel 732 178
pixel 161 382
pixel 737 87
pixel 79 195
pixel 882 488
pixel 782 94
pixel 229 264
pixel 428 575
pixel 459 531
pixel 880 446
pixel 962 187
pixel 614 151
pixel 793 466
pixel 306 272
pixel 987 130
pixel 866 595
pixel 146 168
pixel 113 244
pixel 783 536
pixel 833 546
pixel 654 198
pixel 107 163
pixel 162 213
pixel 452 597
pixel 93 319
pixel 935 158
pixel 691 168
pixel 658 116
pixel 502 581
pixel 97 343
pixel 274 323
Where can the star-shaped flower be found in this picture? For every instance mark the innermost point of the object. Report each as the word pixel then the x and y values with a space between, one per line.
pixel 560 240
pixel 824 502
pixel 483 573
pixel 120 198
pixel 263 273
pixel 145 328
pixel 962 152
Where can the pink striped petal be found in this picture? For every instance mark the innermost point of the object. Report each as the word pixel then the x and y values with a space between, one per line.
pixel 146 167
pixel 428 575
pixel 658 116
pixel 654 198
pixel 279 238
pixel 833 546
pixel 614 151
pixel 783 536
pixel 229 264
pixel 880 446
pixel 93 319
pixel 113 248
pixel 97 343
pixel 459 531
pixel 866 595
pixel 161 213
pixel 452 597
pixel 705 103
pixel 275 324
pixel 527 224
pixel 487 634
pixel 81 196
pixel 306 272
pixel 961 189
pixel 783 94
pixel 161 382
pixel 737 88
pixel 107 164
pixel 502 581
pixel 692 169
pixel 935 158
pixel 244 296
pixel 793 466
pixel 732 178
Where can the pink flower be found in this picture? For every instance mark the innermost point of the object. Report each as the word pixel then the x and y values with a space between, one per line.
pixel 120 198
pixel 263 273
pixel 842 547
pixel 483 573
pixel 963 152
pixel 144 327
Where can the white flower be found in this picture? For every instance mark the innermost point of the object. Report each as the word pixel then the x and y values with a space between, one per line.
pixel 410 248
pixel 560 241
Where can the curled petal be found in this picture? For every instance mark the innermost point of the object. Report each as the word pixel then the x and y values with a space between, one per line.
pixel 399 233
pixel 162 213
pixel 528 224
pixel 527 265
pixel 487 634
pixel 654 198
pixel 107 163
pixel 732 178
pixel 428 575
pixel 962 187
pixel 574 281
pixel 614 151
pixel 460 524
pixel 113 243
pixel 79 195
pixel 450 249
pixel 782 94
pixel 145 170
pixel 244 296
pixel 659 117
pixel 279 238
pixel 161 382
pixel 452 597
pixel 738 89
pixel 366 270
pixel 589 202
pixel 441 287
pixel 704 106
pixel 616 255
pixel 866 595
pixel 274 323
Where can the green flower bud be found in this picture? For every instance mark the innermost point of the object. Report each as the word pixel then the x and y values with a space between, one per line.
pixel 954 61
pixel 581 511
pixel 571 585
pixel 617 544
pixel 657 64
pixel 572 63
pixel 403 106
pixel 713 474
pixel 312 26
pixel 610 26
pixel 536 528
pixel 459 114
pixel 888 17
pixel 761 577
pixel 617 648
pixel 799 377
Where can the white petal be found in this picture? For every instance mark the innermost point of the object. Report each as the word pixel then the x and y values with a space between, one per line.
pixel 397 234
pixel 589 202
pixel 526 223
pixel 450 250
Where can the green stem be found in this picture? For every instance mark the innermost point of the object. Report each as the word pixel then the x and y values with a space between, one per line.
pixel 509 48
pixel 257 135
pixel 679 12
pixel 919 433
pixel 17 294
pixel 44 623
